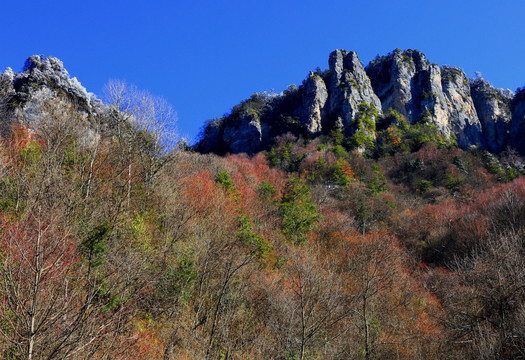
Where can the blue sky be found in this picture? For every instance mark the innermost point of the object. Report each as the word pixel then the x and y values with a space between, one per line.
pixel 206 56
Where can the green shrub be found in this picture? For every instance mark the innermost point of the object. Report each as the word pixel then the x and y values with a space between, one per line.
pixel 454 183
pixel 339 151
pixel 259 248
pixel 266 190
pixel 364 127
pixel 94 245
pixel 423 186
pixel 298 213
pixel 224 179
pixel 378 183
pixel 341 174
pixel 31 153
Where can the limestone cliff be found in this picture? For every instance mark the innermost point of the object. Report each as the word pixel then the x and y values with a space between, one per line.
pixel 349 87
pixel 424 92
pixel 347 97
pixel 468 111
pixel 494 111
pixel 517 124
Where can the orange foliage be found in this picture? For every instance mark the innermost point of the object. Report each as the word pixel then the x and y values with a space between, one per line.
pixel 148 345
pixel 201 192
pixel 347 169
pixel 21 136
pixel 394 138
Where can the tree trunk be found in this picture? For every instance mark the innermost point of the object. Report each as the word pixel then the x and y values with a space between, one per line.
pixel 32 320
pixel 365 321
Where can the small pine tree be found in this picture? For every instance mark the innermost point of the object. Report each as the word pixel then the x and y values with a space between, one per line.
pixel 298 212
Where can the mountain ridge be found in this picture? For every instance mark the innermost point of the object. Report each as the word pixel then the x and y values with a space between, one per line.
pixel 347 97
pixel 469 111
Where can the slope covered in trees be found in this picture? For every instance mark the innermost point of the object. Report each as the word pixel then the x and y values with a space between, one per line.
pixel 114 246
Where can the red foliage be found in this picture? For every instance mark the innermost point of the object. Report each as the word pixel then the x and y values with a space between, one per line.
pixel 31 244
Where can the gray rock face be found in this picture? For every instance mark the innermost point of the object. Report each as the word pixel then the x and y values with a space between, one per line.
pixel 433 101
pixel 349 87
pixel 396 79
pixel 461 116
pixel 409 84
pixel 245 135
pixel 314 101
pixel 346 97
pixel 493 109
pixel 517 125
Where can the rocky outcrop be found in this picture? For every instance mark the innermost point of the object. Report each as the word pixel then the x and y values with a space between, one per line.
pixel 349 88
pixel 333 99
pixel 493 109
pixel 223 136
pixel 517 124
pixel 242 131
pixel 352 99
pixel 314 100
pixel 245 135
pixel 424 92
pixel 43 78
pixel 395 79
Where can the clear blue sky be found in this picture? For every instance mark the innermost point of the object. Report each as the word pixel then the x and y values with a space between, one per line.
pixel 206 56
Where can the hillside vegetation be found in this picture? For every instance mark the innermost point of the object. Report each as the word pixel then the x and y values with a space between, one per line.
pixel 116 245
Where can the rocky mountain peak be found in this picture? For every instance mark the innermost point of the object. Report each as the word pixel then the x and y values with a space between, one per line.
pixel 424 92
pixel 348 88
pixel 44 77
pixel 349 97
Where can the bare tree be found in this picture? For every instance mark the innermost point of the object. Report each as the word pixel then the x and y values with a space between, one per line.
pixel 371 264
pixel 486 306
pixel 308 310
pixel 145 126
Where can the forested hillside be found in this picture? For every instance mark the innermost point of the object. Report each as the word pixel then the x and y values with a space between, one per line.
pixel 116 244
